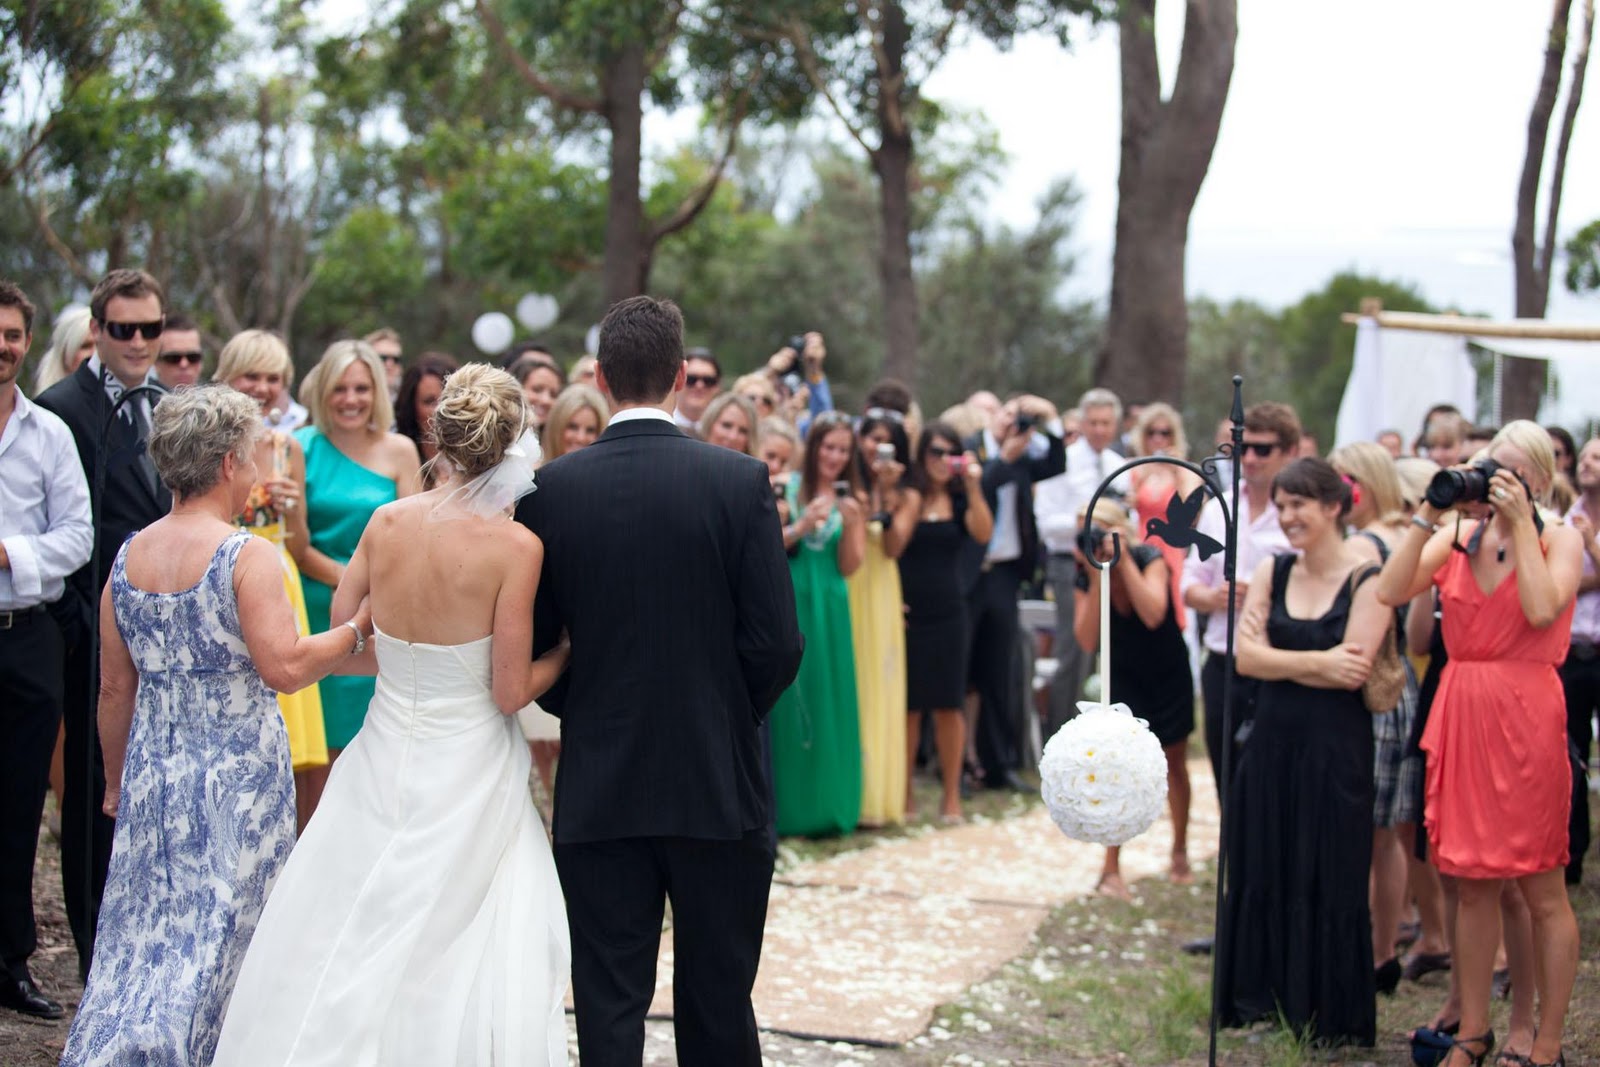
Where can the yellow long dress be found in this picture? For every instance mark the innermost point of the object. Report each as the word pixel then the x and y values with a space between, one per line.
pixel 878 630
pixel 302 711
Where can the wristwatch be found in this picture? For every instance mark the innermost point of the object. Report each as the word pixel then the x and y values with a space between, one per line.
pixel 361 638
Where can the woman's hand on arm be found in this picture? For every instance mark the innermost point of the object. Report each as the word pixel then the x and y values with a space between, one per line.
pixel 286 661
pixel 119 683
pixel 1365 630
pixel 352 603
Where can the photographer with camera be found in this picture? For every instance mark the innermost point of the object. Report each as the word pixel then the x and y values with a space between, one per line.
pixel 1022 445
pixel 1150 672
pixel 796 372
pixel 1498 783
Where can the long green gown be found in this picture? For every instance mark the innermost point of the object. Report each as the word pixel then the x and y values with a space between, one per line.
pixel 341 496
pixel 816 735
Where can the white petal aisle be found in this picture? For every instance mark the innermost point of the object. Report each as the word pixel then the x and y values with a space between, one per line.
pixel 862 947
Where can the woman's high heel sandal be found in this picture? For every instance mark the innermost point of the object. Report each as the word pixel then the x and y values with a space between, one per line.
pixel 1486 1039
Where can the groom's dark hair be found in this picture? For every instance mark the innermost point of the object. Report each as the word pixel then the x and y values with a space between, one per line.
pixel 641 349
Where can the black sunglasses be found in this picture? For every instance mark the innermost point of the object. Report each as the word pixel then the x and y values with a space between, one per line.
pixel 1260 448
pixel 940 452
pixel 124 331
pixel 692 380
pixel 174 358
pixel 392 360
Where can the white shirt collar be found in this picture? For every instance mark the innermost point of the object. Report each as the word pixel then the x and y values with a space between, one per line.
pixel 634 414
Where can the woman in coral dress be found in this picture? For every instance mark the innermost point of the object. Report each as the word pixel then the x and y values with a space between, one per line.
pixel 1498 780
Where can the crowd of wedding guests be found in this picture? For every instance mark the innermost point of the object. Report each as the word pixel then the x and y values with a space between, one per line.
pixel 1411 707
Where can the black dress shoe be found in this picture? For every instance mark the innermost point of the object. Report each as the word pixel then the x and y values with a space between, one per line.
pixel 1200 946
pixel 20 994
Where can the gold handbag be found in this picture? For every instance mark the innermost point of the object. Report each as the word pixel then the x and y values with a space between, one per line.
pixel 1387 679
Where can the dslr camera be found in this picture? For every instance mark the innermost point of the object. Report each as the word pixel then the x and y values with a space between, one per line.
pixel 1450 487
pixel 1089 540
pixel 1025 421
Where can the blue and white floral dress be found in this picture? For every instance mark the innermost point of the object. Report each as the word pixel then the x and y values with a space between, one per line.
pixel 206 821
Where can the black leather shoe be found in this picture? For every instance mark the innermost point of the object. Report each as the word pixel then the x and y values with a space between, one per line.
pixel 1387 977
pixel 1200 946
pixel 22 995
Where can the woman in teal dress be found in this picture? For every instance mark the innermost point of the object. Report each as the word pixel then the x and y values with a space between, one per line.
pixel 816 733
pixel 353 467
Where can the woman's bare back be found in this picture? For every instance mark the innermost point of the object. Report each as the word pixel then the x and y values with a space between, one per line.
pixel 441 581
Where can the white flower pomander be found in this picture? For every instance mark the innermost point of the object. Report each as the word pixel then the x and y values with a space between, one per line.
pixel 1103 775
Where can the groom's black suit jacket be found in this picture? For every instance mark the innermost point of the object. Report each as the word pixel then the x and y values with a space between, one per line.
pixel 664 562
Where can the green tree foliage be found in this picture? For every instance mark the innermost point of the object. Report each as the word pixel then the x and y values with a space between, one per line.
pixel 1240 337
pixel 1583 259
pixel 1319 348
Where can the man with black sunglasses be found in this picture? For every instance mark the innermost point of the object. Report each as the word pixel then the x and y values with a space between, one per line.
pixel 181 355
pixel 127 314
pixel 702 381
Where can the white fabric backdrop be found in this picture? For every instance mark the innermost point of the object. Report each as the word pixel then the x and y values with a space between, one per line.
pixel 1397 376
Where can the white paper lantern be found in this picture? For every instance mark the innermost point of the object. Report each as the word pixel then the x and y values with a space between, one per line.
pixel 591 340
pixel 1103 775
pixel 492 332
pixel 537 311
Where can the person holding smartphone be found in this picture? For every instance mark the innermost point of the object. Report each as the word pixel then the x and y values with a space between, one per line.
pixel 816 734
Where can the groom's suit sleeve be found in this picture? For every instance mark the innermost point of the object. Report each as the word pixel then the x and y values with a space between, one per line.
pixel 547 621
pixel 768 631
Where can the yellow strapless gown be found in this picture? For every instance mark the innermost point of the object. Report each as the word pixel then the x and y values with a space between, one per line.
pixel 878 631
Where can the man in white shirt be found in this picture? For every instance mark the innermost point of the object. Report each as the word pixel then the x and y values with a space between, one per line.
pixel 1056 504
pixel 45 535
pixel 1022 445
pixel 1271 440
pixel 1580 674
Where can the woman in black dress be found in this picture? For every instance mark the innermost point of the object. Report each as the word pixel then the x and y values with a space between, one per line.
pixel 1149 663
pixel 951 510
pixel 1296 935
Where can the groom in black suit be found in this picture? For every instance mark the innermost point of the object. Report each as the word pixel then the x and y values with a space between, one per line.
pixel 664 563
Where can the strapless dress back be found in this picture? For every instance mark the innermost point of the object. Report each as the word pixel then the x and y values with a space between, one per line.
pixel 420 919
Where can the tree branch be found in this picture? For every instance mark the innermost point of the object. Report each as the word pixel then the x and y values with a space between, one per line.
pixel 1580 65
pixel 41 210
pixel 557 95
pixel 798 36
pixel 1523 251
pixel 696 201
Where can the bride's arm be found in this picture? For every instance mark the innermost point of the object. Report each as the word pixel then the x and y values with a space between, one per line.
pixel 348 599
pixel 516 681
pixel 286 661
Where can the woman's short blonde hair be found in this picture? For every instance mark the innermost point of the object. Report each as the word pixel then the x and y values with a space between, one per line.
pixel 573 399
pixel 963 418
pixel 481 413
pixel 777 426
pixel 722 402
pixel 254 352
pixel 192 430
pixel 319 384
pixel 1161 410
pixel 1373 469
pixel 1414 473
pixel 1533 441
pixel 66 337
pixel 758 381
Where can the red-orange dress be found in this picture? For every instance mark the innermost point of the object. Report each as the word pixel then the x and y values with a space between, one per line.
pixel 1499 784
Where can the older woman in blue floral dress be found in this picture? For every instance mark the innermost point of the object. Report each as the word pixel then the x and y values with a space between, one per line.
pixel 196 634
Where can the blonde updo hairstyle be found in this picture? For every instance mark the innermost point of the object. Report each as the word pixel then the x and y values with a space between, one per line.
pixel 481 413
pixel 254 352
pixel 1373 469
pixel 193 429
pixel 1531 439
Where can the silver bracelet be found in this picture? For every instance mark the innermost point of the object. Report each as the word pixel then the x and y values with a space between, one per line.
pixel 361 638
pixel 1423 524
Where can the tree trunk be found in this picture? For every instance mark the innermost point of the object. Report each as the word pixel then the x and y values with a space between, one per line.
pixel 1524 380
pixel 892 161
pixel 1166 150
pixel 627 262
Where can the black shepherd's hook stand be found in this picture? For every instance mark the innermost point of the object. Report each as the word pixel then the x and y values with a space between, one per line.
pixel 92 742
pixel 1211 484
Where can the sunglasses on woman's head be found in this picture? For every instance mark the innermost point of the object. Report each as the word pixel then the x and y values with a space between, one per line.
pixel 124 331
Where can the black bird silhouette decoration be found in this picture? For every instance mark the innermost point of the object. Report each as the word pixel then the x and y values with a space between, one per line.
pixel 1177 529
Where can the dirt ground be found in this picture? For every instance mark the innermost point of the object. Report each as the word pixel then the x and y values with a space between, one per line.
pixel 1104 983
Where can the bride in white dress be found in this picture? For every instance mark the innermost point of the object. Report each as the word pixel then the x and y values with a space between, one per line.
pixel 419 919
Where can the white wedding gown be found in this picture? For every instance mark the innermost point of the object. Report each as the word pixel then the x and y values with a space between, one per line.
pixel 419 920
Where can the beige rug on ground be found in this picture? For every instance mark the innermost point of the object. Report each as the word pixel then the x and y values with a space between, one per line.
pixel 864 946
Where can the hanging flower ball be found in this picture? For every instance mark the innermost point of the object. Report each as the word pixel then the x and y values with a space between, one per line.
pixel 1103 775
